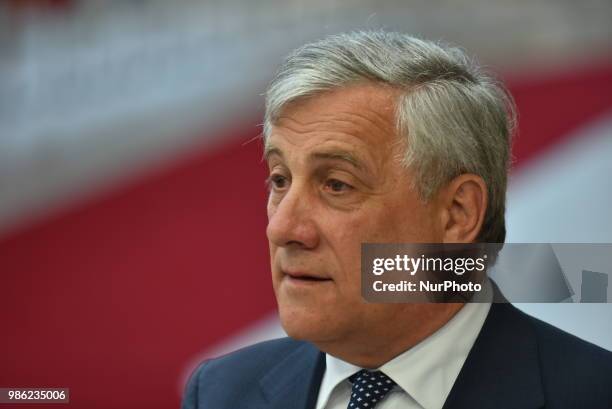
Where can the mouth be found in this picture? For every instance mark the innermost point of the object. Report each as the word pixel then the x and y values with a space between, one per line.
pixel 305 278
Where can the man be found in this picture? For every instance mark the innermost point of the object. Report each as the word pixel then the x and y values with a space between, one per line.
pixel 381 137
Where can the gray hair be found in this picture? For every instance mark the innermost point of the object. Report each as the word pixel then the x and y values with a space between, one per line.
pixel 456 118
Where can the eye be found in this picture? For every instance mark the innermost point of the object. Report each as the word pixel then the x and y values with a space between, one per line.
pixel 276 182
pixel 337 186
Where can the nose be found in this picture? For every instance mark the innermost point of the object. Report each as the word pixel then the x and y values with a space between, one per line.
pixel 292 220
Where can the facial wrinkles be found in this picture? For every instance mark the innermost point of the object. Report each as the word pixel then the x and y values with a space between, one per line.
pixel 373 181
pixel 324 216
pixel 359 126
pixel 331 138
pixel 385 180
pixel 367 133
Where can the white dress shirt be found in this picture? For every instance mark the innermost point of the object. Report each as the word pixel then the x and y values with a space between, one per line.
pixel 424 374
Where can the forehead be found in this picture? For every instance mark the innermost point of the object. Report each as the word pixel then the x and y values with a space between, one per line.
pixel 359 118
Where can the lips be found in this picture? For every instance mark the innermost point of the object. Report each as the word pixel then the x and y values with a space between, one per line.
pixel 302 276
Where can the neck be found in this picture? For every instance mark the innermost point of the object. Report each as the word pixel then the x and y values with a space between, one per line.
pixel 373 347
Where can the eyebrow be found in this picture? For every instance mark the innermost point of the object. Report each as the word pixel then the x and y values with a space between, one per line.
pixel 326 155
pixel 271 150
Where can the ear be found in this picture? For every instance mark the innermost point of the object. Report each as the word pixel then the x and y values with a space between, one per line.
pixel 463 203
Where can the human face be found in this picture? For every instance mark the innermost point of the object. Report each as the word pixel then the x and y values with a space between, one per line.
pixel 335 182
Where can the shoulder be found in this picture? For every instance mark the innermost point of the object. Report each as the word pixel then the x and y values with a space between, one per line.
pixel 220 380
pixel 551 368
pixel 574 372
pixel 564 352
pixel 253 359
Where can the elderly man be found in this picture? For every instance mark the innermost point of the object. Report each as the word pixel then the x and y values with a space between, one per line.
pixel 383 138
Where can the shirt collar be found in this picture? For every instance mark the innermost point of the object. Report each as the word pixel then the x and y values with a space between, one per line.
pixel 428 370
pixel 336 371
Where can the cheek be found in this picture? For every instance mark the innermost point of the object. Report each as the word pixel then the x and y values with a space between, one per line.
pixel 274 271
pixel 403 221
pixel 345 241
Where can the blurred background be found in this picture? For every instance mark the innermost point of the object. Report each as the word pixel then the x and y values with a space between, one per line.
pixel 132 198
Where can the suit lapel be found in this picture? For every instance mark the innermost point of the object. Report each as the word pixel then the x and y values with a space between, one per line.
pixel 295 381
pixel 502 369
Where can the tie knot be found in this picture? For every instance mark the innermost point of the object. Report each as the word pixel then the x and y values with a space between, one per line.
pixel 365 376
pixel 369 388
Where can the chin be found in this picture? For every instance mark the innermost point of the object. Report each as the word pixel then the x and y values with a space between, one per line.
pixel 304 326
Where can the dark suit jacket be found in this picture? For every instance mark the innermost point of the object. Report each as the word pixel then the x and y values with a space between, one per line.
pixel 516 362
